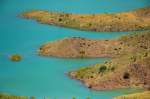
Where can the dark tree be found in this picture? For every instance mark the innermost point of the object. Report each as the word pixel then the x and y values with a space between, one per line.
pixel 102 68
pixel 126 75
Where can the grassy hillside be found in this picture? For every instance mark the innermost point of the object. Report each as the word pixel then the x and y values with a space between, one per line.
pixel 130 69
pixel 126 21
pixel 77 47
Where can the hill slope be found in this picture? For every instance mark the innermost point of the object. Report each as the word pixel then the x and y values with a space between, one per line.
pixel 131 68
pixel 127 21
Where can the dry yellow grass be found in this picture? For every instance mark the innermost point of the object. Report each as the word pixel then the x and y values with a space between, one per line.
pixel 129 69
pixel 126 21
pixel 143 95
pixel 8 96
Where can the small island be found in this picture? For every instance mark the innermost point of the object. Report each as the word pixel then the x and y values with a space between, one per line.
pixel 136 20
pixel 15 57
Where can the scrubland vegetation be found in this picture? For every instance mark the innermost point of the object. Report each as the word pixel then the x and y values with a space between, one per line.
pixel 126 21
pixel 129 69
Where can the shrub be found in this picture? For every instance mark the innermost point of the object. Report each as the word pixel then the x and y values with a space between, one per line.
pixel 82 52
pixel 126 75
pixel 60 19
pixel 102 68
pixel 112 68
pixel 89 24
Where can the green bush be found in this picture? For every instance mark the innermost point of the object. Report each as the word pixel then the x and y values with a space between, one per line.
pixel 102 68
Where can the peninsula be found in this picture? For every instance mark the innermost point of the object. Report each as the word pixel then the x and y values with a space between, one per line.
pixel 77 47
pixel 109 22
pixel 129 67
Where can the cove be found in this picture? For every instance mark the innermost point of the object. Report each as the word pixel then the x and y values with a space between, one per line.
pixel 45 76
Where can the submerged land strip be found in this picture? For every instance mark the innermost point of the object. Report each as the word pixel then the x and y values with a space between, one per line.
pixel 109 22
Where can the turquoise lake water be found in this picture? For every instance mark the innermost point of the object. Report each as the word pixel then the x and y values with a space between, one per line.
pixel 45 76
